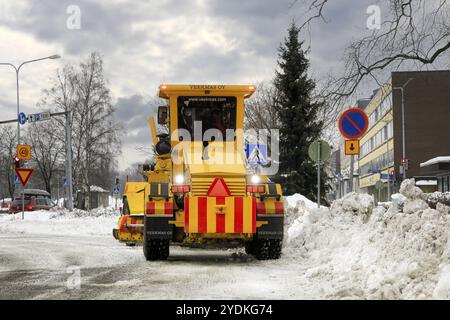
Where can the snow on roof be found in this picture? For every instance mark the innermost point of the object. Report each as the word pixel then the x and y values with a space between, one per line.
pixel 95 188
pixel 434 161
pixel 426 183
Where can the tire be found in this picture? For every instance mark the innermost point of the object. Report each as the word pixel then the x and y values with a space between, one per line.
pixel 156 249
pixel 275 248
pixel 130 244
pixel 261 249
pixel 249 247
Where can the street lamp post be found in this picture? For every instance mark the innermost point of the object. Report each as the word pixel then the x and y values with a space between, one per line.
pixel 17 69
pixel 402 89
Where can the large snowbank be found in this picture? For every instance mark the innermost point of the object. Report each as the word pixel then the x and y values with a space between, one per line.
pixel 98 221
pixel 356 250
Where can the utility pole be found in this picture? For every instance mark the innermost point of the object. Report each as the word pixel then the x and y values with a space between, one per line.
pixel 17 70
pixel 69 161
pixel 68 138
pixel 318 173
pixel 402 89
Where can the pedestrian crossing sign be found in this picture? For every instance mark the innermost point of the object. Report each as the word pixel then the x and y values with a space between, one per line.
pixel 256 154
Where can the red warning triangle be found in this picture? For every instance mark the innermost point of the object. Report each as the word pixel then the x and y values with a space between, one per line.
pixel 218 189
pixel 24 175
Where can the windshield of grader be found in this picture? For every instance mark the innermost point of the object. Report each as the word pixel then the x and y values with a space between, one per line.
pixel 213 113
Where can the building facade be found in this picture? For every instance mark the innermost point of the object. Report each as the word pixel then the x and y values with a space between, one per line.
pixel 426 129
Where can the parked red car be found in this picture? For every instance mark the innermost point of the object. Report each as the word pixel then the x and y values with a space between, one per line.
pixel 4 206
pixel 35 199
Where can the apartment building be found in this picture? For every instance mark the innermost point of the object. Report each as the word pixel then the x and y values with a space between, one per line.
pixel 426 126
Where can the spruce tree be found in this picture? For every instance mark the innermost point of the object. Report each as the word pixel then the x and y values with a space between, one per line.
pixel 298 114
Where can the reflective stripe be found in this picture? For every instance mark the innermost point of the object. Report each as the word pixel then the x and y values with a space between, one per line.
pixel 279 208
pixel 211 214
pixel 193 215
pixel 186 214
pixel 202 214
pixel 238 214
pixel 253 215
pixel 220 217
pixel 247 213
pixel 229 215
pixel 151 207
pixel 168 207
pixel 260 207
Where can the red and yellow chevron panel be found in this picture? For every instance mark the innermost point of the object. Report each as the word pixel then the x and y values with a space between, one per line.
pixel 160 207
pixel 270 206
pixel 220 214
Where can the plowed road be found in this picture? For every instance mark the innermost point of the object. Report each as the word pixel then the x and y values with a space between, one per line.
pixel 84 267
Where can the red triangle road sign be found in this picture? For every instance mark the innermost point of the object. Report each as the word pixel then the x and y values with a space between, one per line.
pixel 24 175
pixel 218 189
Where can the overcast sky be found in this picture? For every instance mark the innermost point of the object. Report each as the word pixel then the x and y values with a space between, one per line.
pixel 145 43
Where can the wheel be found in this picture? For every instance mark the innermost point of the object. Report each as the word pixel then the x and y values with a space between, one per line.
pixel 156 249
pixel 249 247
pixel 261 249
pixel 275 248
pixel 130 244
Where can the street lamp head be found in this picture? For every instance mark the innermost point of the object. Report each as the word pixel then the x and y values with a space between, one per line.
pixel 55 56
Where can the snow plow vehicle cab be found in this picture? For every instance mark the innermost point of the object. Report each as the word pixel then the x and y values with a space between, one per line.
pixel 198 187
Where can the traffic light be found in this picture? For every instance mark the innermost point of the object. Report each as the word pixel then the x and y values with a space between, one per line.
pixel 17 163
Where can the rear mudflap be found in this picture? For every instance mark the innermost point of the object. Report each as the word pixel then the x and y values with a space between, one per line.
pixel 158 227
pixel 273 229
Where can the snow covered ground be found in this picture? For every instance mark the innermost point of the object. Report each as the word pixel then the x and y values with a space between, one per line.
pixel 352 250
pixel 61 222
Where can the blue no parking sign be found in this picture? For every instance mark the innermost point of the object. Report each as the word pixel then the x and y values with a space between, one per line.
pixel 353 123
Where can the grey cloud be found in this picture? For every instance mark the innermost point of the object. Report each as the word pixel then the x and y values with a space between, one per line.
pixel 141 48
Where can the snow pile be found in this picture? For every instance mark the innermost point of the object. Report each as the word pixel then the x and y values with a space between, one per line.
pixel 355 204
pixel 354 250
pixel 99 221
pixel 438 197
pixel 295 198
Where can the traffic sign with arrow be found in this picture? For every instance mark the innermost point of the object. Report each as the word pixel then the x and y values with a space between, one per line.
pixel 22 118
pixel 352 147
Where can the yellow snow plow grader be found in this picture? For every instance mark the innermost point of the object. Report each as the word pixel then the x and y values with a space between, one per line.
pixel 199 187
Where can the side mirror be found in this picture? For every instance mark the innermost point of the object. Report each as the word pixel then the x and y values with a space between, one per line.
pixel 162 114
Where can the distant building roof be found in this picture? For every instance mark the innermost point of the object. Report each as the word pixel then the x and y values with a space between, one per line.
pixel 435 160
pixel 94 188
pixel 362 103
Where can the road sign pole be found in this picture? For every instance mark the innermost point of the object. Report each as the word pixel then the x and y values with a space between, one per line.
pixel 379 195
pixel 23 203
pixel 350 178
pixel 389 187
pixel 318 174
pixel 69 162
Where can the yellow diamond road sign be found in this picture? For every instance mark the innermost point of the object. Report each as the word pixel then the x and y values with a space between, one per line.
pixel 352 147
pixel 24 151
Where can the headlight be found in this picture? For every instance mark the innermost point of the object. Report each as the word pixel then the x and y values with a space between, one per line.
pixel 256 179
pixel 179 179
